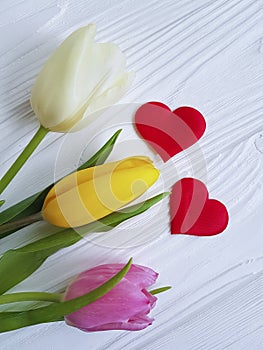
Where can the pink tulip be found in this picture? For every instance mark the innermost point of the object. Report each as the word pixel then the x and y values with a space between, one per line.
pixel 125 307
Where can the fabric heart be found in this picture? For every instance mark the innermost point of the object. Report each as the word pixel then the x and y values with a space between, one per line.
pixel 167 132
pixel 193 213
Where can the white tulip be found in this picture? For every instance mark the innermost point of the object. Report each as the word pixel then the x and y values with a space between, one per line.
pixel 80 78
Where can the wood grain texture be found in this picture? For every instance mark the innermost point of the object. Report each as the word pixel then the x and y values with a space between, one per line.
pixel 206 54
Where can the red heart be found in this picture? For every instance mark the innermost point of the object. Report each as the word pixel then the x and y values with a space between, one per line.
pixel 169 132
pixel 193 213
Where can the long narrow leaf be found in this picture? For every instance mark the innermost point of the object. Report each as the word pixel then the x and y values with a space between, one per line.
pixel 34 203
pixel 55 312
pixel 26 207
pixel 18 264
pixel 103 153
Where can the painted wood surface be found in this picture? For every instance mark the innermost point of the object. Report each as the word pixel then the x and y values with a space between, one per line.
pixel 206 54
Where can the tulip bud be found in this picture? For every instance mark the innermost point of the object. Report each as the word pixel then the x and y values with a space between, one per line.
pixel 90 194
pixel 80 78
pixel 125 307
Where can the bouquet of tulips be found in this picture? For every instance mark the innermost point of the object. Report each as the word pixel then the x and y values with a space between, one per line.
pixel 79 80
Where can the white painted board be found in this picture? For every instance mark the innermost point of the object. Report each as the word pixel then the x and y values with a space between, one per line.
pixel 206 54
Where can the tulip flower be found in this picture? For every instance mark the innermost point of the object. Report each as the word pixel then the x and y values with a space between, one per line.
pixel 54 312
pixel 80 78
pixel 125 307
pixel 78 81
pixel 91 194
pixel 111 296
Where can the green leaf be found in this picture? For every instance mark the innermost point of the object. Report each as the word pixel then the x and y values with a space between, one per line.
pixel 30 296
pixel 103 153
pixel 2 201
pixel 56 312
pixel 114 219
pixel 34 203
pixel 24 208
pixel 159 290
pixel 18 264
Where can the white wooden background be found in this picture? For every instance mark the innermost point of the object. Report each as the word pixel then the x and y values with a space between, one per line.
pixel 207 54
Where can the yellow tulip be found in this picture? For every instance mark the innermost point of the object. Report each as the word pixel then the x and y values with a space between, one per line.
pixel 91 194
pixel 80 78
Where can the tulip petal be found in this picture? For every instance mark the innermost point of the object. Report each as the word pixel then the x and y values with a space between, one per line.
pixel 136 324
pixel 83 176
pixel 139 275
pixel 93 193
pixel 152 299
pixel 100 104
pixel 80 76
pixel 123 302
pixel 125 307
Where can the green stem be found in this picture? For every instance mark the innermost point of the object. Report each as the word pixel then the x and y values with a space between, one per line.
pixel 30 296
pixel 19 223
pixel 23 157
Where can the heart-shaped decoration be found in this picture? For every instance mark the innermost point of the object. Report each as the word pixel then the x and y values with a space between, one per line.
pixel 193 213
pixel 169 132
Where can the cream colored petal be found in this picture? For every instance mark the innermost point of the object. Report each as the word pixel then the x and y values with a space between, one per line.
pixel 97 105
pixel 75 76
